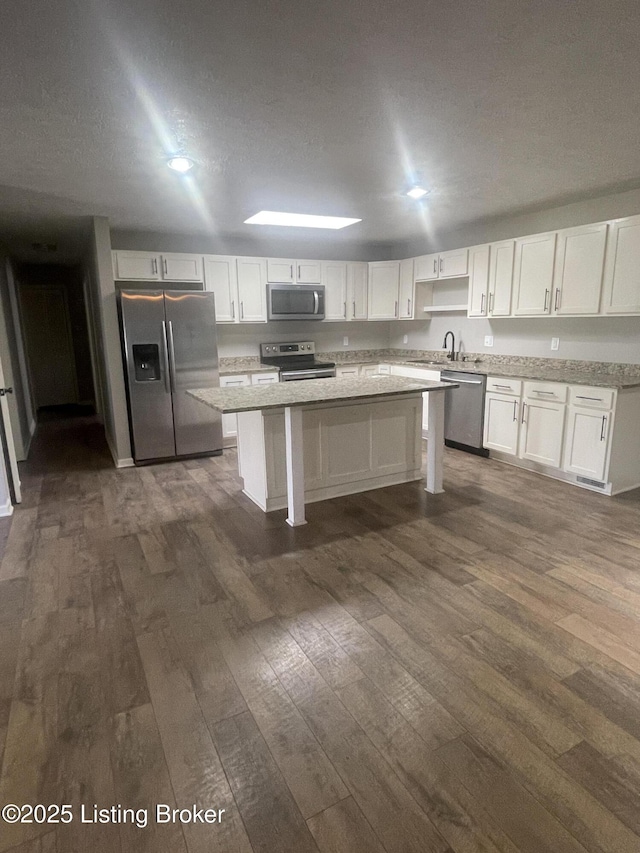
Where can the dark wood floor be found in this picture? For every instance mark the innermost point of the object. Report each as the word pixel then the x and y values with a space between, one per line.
pixel 409 672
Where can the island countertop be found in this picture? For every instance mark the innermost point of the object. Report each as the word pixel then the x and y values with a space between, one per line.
pixel 304 393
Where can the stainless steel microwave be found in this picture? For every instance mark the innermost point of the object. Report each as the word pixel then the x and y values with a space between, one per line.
pixel 295 301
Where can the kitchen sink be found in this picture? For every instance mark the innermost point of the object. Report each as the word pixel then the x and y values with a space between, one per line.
pixel 429 363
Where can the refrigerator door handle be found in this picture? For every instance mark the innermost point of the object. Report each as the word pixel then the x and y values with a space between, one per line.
pixel 172 357
pixel 165 352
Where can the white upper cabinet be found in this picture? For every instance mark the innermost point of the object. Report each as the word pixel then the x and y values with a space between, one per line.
pixel 533 274
pixel 579 269
pixel 478 281
pixel 425 267
pixel 406 299
pixel 220 277
pixel 252 290
pixel 622 269
pixel 181 267
pixel 334 278
pixel 288 271
pixel 501 278
pixel 453 264
pixel 384 282
pixel 357 277
pixel 136 266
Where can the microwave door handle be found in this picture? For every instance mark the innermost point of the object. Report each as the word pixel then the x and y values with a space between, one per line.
pixel 316 302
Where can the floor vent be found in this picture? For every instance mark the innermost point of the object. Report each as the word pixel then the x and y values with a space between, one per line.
pixel 588 482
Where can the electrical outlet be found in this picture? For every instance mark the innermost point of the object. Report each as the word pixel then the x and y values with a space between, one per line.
pixel 345 341
pixel 488 340
pixel 555 343
pixel 405 339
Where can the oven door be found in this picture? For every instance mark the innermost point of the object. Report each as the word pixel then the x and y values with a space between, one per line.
pixel 296 302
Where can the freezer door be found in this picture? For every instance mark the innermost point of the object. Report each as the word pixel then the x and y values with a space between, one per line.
pixel 193 358
pixel 148 393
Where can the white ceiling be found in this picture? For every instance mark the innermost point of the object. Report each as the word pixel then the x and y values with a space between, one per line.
pixel 328 107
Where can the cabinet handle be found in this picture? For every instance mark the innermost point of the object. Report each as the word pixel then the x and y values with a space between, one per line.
pixel 291 268
pixel 482 304
pixel 506 387
pixel 241 310
pixel 597 399
pixel 515 410
pixel 440 264
pixel 345 310
pixel 524 408
pixel 490 303
pixel 548 393
pixel 409 307
pixel 155 266
pixel 354 309
pixel 557 302
pixel 396 314
pixel 435 266
pixel 164 264
pixel 233 310
pixel 604 425
pixel 546 297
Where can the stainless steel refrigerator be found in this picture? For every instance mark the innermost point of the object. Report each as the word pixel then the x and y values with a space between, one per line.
pixel 169 345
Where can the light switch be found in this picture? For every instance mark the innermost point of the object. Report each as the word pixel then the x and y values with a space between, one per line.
pixel 345 341
pixel 488 340
pixel 405 339
pixel 555 343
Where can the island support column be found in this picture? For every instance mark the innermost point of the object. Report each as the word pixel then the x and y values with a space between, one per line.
pixel 295 465
pixel 435 442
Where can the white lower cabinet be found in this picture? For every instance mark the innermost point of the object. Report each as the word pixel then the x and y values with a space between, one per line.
pixel 587 442
pixel 265 378
pixel 418 373
pixel 502 422
pixel 230 422
pixel 542 432
pixel 348 371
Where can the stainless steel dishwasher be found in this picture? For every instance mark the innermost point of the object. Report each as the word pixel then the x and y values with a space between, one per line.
pixel 464 411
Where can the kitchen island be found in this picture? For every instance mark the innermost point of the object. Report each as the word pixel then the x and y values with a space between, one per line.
pixel 300 442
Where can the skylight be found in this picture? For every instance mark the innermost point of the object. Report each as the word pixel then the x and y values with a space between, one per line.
pixel 299 220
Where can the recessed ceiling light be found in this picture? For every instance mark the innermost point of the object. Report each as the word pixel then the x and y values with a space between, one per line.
pixel 180 163
pixel 417 192
pixel 300 220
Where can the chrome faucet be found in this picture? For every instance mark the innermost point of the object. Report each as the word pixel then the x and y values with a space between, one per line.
pixel 451 355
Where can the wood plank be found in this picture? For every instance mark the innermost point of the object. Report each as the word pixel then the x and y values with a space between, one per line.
pixel 343 829
pixel 19 544
pixel 601 639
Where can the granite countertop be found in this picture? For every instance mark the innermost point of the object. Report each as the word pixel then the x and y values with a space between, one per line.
pixel 310 391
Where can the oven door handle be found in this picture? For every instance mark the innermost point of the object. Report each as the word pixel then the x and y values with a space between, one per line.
pixel 462 381
pixel 288 375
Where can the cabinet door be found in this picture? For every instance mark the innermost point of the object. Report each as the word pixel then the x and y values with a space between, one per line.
pixel 182 267
pixel 425 268
pixel 533 274
pixel 478 281
pixel 252 290
pixel 308 272
pixel 406 300
pixel 622 269
pixel 384 278
pixel 221 278
pixel 579 269
pixel 357 291
pixel 587 442
pixel 453 264
pixel 281 270
pixel 501 423
pixel 542 432
pixel 334 278
pixel 501 278
pixel 136 266
pixel 230 422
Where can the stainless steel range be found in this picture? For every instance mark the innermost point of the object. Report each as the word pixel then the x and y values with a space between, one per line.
pixel 296 361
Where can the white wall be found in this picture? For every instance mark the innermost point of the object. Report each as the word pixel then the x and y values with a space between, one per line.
pixel 243 340
pixel 609 339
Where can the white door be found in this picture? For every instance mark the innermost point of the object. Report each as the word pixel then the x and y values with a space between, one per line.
pixel 357 291
pixel 478 281
pixel 181 267
pixel 501 278
pixel 308 272
pixel 425 267
pixel 281 270
pixel 230 422
pixel 9 446
pixel 136 266
pixel 221 278
pixel 252 290
pixel 533 274
pixel 453 264
pixel 406 300
pixel 334 278
pixel 587 442
pixel 622 269
pixel 542 432
pixel 501 423
pixel 579 269
pixel 384 280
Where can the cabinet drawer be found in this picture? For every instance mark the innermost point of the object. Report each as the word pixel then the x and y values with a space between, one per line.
pixel 586 396
pixel 348 371
pixel 384 368
pixel 553 392
pixel 504 386
pixel 265 378
pixel 234 380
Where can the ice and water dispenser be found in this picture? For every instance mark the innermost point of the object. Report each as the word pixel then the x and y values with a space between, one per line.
pixel 146 361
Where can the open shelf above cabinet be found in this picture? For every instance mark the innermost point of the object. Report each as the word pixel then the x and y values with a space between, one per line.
pixel 443 296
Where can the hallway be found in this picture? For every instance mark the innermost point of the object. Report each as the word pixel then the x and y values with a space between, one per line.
pixel 409 672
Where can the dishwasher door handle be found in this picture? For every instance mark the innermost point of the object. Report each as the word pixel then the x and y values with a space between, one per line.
pixel 462 381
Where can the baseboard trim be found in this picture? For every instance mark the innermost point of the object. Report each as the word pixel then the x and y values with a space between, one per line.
pixel 126 462
pixel 6 509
